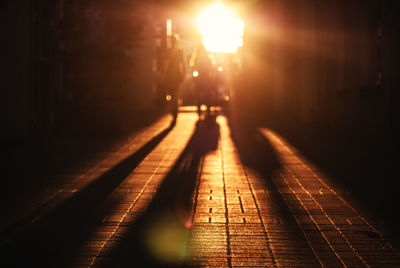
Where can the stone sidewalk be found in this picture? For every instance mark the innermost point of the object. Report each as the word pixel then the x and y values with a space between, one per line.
pixel 203 192
pixel 239 215
pixel 40 201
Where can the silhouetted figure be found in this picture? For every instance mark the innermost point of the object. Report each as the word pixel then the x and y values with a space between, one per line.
pixel 204 79
pixel 173 74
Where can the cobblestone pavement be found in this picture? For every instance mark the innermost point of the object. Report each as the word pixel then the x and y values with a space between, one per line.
pixel 209 194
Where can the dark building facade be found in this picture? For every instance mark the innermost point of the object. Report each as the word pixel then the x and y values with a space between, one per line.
pixel 74 63
pixel 31 75
pixel 323 60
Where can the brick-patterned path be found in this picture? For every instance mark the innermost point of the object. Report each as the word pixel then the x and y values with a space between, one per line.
pixel 205 193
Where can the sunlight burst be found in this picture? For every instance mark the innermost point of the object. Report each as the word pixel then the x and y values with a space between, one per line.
pixel 221 30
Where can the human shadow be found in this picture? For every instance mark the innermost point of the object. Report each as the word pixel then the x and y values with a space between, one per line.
pixel 49 239
pixel 161 235
pixel 256 152
pixel 254 149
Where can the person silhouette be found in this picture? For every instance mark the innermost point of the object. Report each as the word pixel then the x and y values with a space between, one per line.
pixel 173 74
pixel 204 79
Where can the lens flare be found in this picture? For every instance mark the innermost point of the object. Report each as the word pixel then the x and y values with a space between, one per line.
pixel 167 239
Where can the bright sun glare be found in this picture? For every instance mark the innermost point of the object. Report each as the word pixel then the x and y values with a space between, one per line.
pixel 221 30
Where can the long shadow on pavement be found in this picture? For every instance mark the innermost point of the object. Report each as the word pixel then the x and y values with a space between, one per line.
pixel 51 240
pixel 256 152
pixel 160 237
pixel 254 149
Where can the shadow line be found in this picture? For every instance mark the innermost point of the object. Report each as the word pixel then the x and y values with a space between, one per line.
pixel 50 240
pixel 256 152
pixel 159 237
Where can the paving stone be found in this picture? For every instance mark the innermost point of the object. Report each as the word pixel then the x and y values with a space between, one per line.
pixel 293 218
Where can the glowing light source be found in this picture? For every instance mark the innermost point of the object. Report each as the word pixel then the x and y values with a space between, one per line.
pixel 169 27
pixel 220 68
pixel 195 74
pixel 221 30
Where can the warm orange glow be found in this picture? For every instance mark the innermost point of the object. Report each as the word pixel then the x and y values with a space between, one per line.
pixel 221 30
pixel 169 27
pixel 167 239
pixel 220 68
pixel 195 74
